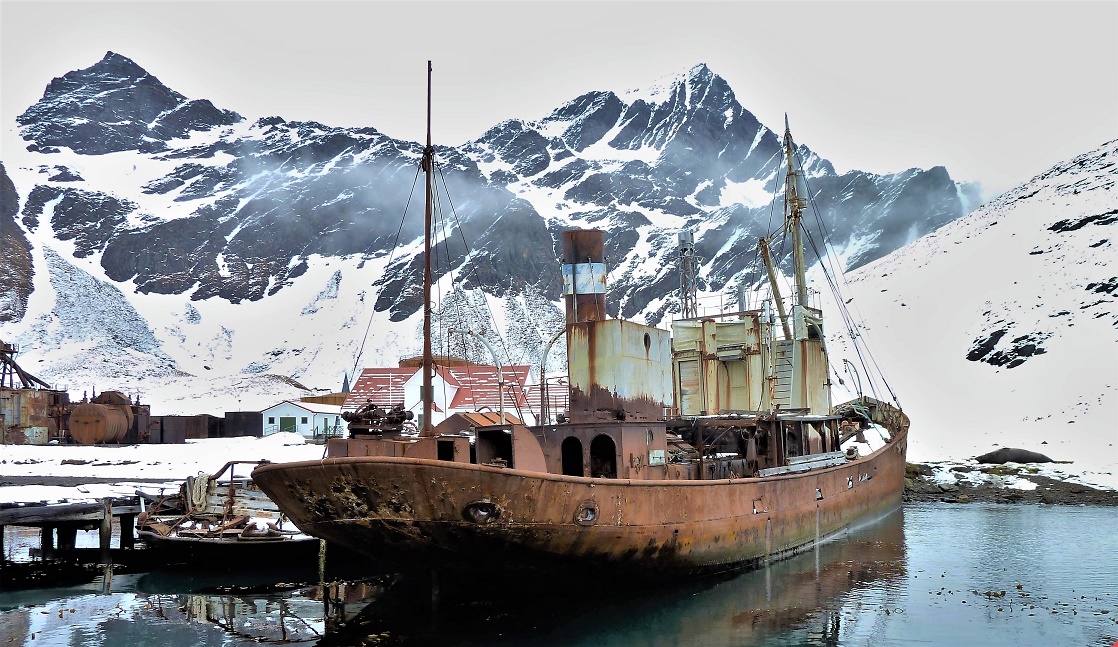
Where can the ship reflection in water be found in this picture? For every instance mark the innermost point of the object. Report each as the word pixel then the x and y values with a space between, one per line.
pixel 935 574
pixel 804 600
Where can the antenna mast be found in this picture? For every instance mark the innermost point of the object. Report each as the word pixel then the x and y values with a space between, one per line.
pixel 688 270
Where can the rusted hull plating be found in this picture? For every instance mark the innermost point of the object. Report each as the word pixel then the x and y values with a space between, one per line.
pixel 424 514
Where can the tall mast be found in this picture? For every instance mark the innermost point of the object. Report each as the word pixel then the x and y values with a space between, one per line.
pixel 796 199
pixel 428 361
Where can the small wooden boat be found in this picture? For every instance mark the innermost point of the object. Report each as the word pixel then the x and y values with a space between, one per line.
pixel 218 520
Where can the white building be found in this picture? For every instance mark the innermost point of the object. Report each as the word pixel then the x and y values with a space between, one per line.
pixel 309 419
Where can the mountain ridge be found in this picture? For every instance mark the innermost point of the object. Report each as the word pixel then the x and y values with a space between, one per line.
pixel 230 215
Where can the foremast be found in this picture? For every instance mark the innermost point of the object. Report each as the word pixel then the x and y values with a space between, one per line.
pixel 426 428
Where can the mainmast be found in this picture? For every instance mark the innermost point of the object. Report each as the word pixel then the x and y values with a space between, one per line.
pixel 795 198
pixel 428 362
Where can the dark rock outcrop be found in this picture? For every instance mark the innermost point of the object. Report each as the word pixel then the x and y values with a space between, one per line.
pixel 1012 455
pixel 115 105
pixel 16 271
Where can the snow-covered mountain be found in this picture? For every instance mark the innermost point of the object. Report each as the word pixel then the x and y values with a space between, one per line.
pixel 166 247
pixel 190 210
pixel 1001 328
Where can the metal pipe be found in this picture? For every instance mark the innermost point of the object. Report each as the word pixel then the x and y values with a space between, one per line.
pixel 543 377
pixel 496 359
pixel 848 365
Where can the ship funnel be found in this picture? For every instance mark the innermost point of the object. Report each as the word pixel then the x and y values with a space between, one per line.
pixel 584 275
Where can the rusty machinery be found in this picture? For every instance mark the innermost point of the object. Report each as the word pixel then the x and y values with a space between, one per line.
pixel 30 411
pixel 376 421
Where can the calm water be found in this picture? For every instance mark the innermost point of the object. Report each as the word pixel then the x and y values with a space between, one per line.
pixel 931 574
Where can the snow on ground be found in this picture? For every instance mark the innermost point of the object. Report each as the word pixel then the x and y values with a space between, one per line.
pixel 970 472
pixel 172 463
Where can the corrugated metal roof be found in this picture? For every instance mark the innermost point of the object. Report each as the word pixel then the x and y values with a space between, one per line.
pixel 478 386
pixel 558 397
pixel 384 387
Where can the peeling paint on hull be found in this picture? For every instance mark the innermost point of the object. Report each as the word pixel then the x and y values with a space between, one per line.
pixel 418 514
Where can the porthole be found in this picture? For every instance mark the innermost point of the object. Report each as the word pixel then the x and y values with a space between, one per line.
pixel 587 513
pixel 481 512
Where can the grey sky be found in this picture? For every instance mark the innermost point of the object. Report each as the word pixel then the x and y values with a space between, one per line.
pixel 996 92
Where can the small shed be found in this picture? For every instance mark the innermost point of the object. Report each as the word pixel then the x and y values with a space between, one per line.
pixel 311 420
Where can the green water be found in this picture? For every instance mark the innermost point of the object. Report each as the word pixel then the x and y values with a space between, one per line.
pixel 932 574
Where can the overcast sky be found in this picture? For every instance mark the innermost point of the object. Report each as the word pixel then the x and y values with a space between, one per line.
pixel 996 92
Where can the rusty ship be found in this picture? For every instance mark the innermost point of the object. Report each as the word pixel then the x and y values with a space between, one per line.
pixel 707 448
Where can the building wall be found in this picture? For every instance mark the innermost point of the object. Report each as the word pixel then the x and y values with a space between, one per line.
pixel 272 419
pixel 324 424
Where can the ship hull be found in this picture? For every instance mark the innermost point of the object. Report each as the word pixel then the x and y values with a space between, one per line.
pixel 416 514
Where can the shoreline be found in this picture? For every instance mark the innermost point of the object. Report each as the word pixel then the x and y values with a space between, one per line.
pixel 922 484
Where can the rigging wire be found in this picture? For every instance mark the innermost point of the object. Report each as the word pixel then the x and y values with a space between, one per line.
pixel 391 256
pixel 830 265
pixel 851 325
pixel 466 252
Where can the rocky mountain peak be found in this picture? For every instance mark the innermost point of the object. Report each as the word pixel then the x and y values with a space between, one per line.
pixel 111 106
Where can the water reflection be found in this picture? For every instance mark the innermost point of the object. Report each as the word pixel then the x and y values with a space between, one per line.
pixel 178 608
pixel 803 600
pixel 935 574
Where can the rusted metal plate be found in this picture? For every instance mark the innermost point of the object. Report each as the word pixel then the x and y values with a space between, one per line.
pixel 420 514
pixel 30 416
pixel 618 370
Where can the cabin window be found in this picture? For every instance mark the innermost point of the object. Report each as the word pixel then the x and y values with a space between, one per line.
pixel 793 441
pixel 303 420
pixel 271 420
pixel 572 457
pixel 603 457
pixel 445 450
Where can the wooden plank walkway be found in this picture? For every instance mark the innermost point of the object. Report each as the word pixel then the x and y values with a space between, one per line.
pixel 66 519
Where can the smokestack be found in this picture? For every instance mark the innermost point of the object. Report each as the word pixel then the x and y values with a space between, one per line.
pixel 584 275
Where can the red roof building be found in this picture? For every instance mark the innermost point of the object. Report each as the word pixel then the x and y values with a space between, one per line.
pixel 457 389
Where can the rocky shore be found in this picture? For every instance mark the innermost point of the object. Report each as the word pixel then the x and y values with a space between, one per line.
pixel 997 484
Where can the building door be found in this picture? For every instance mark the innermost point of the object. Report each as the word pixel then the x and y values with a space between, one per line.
pixel 288 424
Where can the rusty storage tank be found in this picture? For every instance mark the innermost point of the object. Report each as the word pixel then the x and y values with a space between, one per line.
pixel 106 419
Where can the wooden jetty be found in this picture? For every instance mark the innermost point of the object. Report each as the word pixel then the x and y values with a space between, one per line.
pixel 66 519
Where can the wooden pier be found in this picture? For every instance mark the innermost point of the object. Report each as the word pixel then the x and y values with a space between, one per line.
pixel 66 519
